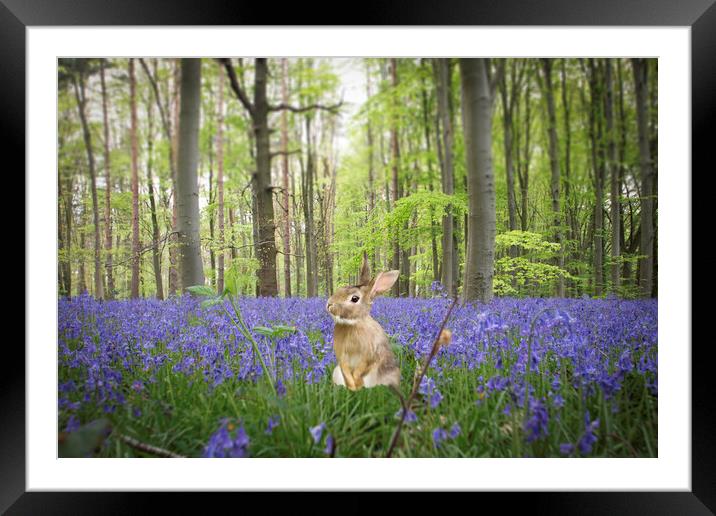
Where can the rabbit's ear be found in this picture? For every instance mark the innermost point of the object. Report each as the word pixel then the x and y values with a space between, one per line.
pixel 365 270
pixel 383 282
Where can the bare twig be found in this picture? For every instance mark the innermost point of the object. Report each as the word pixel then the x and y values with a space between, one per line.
pixel 147 248
pixel 284 153
pixel 289 254
pixel 148 448
pixel 301 109
pixel 406 403
pixel 235 85
pixel 155 88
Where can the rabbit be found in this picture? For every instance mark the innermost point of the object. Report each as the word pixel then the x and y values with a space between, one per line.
pixel 361 346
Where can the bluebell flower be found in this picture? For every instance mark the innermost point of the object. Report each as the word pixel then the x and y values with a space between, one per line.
pixel 497 383
pixel 537 425
pixel 410 417
pixel 280 388
pixel 566 449
pixel 328 450
pixel 558 401
pixel 455 430
pixel 439 435
pixel 72 424
pixel 317 432
pixel 428 387
pixel 222 445
pixel 588 438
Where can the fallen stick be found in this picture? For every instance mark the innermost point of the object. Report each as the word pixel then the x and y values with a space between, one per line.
pixel 148 448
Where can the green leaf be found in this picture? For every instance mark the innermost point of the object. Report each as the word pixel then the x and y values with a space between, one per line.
pixel 286 329
pixel 85 440
pixel 210 302
pixel 263 330
pixel 232 281
pixel 201 290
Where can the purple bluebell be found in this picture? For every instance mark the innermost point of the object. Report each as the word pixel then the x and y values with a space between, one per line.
pixel 439 435
pixel 455 430
pixel 329 445
pixel 566 449
pixel 316 432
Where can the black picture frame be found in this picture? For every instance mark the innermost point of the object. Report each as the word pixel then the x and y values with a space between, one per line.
pixel 700 15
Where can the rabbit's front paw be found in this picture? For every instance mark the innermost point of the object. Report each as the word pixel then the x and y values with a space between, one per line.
pixel 358 383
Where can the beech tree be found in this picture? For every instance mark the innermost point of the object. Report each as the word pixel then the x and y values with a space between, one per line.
pixel 646 246
pixel 263 190
pixel 192 271
pixel 79 82
pixel 458 204
pixel 477 122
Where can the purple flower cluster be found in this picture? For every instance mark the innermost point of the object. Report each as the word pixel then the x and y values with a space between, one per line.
pixel 429 389
pixel 229 441
pixel 110 353
pixel 440 434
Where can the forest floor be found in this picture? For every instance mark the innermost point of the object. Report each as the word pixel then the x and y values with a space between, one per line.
pixel 521 378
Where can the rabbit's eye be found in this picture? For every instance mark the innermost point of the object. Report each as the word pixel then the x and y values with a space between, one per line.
pixel 355 299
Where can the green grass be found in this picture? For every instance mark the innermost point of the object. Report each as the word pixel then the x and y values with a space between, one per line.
pixel 179 413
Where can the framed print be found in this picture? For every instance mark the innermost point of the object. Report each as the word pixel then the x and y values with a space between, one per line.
pixel 369 119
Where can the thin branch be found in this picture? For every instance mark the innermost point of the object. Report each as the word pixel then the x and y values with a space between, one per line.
pixel 284 153
pixel 146 248
pixel 148 448
pixel 289 254
pixel 236 87
pixel 497 77
pixel 302 109
pixel 243 190
pixel 416 384
pixel 162 114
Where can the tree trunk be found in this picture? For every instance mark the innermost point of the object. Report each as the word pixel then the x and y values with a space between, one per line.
pixel 307 191
pixel 220 180
pixel 297 233
pixel 431 179
pixel 81 280
pixel 284 177
pixel 134 289
pixel 448 177
pixel 79 86
pixel 523 167
pixel 212 199
pixel 626 269
pixel 596 137
pixel 613 167
pixel 508 100
pixel 268 285
pixel 395 183
pixel 171 107
pixel 192 272
pixel 156 254
pixel 69 215
pixel 568 204
pixel 108 190
pixel 646 264
pixel 330 170
pixel 174 280
pixel 63 244
pixel 371 161
pixel 477 124
pixel 554 167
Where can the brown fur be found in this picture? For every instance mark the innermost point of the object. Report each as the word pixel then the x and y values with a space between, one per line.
pixel 360 344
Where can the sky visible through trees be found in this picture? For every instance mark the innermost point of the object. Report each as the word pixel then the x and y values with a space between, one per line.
pixel 485 177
